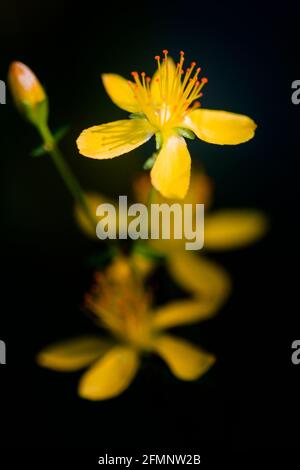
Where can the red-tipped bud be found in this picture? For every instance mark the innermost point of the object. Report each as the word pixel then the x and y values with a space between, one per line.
pixel 28 93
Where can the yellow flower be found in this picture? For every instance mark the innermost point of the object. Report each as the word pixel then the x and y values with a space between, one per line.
pixel 28 94
pixel 165 106
pixel 120 304
pixel 224 229
pixel 206 279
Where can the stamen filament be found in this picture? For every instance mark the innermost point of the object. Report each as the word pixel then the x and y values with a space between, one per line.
pixel 177 91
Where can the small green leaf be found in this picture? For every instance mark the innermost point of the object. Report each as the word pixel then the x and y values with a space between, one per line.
pixel 38 151
pixel 61 132
pixel 183 132
pixel 144 250
pixel 150 162
pixel 137 116
pixel 159 140
pixel 58 135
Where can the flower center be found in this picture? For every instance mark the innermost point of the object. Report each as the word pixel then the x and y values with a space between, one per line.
pixel 172 90
pixel 122 306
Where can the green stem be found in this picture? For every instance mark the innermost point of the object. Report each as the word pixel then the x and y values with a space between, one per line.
pixel 141 246
pixel 65 172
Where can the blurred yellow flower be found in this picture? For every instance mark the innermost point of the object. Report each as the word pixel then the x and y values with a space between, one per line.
pixel 224 229
pixel 120 304
pixel 28 94
pixel 164 106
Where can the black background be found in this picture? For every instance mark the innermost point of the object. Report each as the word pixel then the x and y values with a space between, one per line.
pixel 250 400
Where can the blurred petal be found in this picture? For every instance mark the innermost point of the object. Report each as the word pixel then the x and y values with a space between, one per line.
pixel 220 127
pixel 114 138
pixel 200 190
pixel 93 200
pixel 170 174
pixel 229 229
pixel 186 361
pixel 120 92
pixel 111 375
pixel 182 313
pixel 157 86
pixel 73 354
pixel 200 276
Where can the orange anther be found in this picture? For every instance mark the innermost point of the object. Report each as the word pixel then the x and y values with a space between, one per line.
pixel 204 80
pixel 165 51
pixel 157 57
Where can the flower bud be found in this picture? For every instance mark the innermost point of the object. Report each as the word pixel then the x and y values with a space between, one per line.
pixel 28 93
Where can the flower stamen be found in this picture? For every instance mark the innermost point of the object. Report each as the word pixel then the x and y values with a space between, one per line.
pixel 176 90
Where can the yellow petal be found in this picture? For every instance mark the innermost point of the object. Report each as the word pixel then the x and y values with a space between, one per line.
pixel 120 92
pixel 73 354
pixel 200 276
pixel 111 375
pixel 200 190
pixel 182 313
pixel 162 80
pixel 186 361
pixel 170 174
pixel 229 229
pixel 93 200
pixel 114 138
pixel 220 127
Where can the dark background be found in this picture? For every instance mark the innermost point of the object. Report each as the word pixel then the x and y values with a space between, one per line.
pixel 249 52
